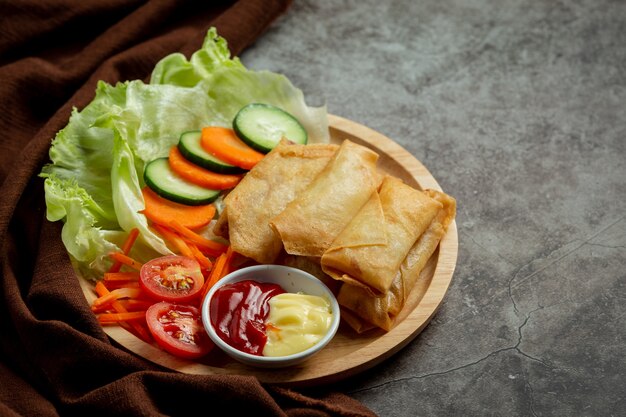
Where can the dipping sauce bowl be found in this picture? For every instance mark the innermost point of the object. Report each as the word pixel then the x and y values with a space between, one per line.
pixel 291 280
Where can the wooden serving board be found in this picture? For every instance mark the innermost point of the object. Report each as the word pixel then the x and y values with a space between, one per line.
pixel 348 353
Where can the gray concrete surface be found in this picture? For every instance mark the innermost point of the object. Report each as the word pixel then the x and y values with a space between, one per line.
pixel 518 108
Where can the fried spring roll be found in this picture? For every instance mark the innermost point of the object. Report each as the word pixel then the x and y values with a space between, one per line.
pixel 364 311
pixel 264 192
pixel 369 251
pixel 310 223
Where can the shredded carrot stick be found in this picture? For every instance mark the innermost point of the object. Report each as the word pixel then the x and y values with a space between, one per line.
pixel 220 269
pixel 129 304
pixel 200 257
pixel 114 295
pixel 135 328
pixel 121 276
pixel 228 265
pixel 194 237
pixel 170 236
pixel 101 289
pixel 110 318
pixel 215 274
pixel 132 304
pixel 126 260
pixel 114 285
pixel 126 247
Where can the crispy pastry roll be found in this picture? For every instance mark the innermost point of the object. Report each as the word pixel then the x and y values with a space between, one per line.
pixel 364 311
pixel 264 192
pixel 310 223
pixel 369 251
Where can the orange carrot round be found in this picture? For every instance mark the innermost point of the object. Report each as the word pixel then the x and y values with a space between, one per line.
pixel 200 176
pixel 163 211
pixel 224 144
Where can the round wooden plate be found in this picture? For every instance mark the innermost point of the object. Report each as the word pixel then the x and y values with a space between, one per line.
pixel 348 353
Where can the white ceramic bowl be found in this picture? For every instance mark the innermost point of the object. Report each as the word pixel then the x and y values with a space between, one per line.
pixel 291 280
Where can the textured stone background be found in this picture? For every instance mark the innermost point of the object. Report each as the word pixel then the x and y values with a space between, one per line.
pixel 518 108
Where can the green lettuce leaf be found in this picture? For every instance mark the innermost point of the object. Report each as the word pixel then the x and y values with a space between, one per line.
pixel 93 183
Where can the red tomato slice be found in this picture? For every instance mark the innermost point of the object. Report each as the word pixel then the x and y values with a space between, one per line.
pixel 177 279
pixel 178 329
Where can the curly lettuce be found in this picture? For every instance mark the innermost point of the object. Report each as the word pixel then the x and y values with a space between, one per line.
pixel 93 182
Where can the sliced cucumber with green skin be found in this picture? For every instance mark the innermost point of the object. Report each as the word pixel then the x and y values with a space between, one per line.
pixel 189 145
pixel 162 180
pixel 262 126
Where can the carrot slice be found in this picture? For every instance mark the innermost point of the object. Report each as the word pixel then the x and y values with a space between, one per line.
pixel 114 318
pixel 214 248
pixel 224 144
pixel 126 247
pixel 163 211
pixel 198 175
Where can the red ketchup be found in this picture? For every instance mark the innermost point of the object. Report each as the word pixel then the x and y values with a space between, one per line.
pixel 239 311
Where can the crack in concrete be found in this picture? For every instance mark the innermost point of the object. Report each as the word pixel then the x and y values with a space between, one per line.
pixel 606 246
pixel 584 242
pixel 515 348
pixel 531 394
pixel 485 249
pixel 511 286
pixel 587 241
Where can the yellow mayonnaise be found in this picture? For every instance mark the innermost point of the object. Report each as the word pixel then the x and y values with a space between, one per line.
pixel 295 323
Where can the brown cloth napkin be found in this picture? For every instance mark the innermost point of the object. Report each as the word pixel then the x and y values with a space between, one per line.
pixel 55 358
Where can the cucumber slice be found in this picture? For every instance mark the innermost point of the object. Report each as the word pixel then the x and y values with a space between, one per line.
pixel 162 180
pixel 262 126
pixel 189 145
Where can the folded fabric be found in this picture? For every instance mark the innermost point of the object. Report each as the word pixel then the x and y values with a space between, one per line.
pixel 55 359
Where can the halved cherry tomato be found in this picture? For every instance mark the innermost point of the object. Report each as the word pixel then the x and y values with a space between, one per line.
pixel 173 278
pixel 178 329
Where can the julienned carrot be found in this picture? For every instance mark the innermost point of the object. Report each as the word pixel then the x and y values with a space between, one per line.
pixel 101 289
pixel 220 269
pixel 198 175
pixel 133 304
pixel 216 274
pixel 126 260
pixel 224 144
pixel 135 328
pixel 110 318
pixel 180 244
pixel 126 247
pixel 215 248
pixel 228 265
pixel 200 257
pixel 113 285
pixel 128 304
pixel 121 276
pixel 163 211
pixel 114 295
